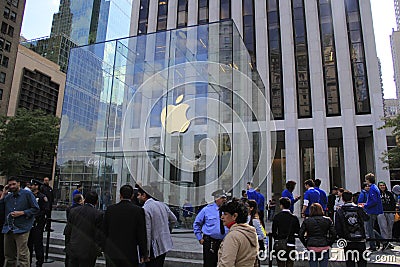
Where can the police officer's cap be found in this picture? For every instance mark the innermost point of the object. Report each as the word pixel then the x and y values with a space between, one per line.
pixel 36 182
pixel 219 193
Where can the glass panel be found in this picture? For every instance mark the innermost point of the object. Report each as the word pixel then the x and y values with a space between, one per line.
pixel 307 162
pixel 278 165
pixel 365 139
pixel 336 157
pixel 225 9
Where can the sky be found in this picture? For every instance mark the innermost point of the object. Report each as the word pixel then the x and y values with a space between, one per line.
pixel 39 15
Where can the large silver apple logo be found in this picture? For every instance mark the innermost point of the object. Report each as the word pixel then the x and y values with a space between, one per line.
pixel 175 120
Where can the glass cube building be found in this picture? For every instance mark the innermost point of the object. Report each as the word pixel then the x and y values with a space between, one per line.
pixel 183 111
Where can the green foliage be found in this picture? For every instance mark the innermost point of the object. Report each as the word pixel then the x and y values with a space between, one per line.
pixel 392 156
pixel 27 139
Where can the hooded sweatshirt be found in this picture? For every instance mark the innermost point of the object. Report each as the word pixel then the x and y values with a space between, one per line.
pixel 239 247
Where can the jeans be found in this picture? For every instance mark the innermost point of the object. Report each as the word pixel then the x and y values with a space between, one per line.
pixel 370 229
pixel 16 246
pixel 386 222
pixel 349 252
pixel 319 259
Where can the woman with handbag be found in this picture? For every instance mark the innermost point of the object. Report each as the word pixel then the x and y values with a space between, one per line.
pixel 284 236
pixel 317 233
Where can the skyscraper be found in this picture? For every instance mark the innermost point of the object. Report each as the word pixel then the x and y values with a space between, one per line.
pixel 11 21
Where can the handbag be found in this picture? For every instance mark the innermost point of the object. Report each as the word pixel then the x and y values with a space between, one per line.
pixel 397 217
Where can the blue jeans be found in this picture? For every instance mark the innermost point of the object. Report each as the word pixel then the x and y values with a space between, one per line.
pixel 319 259
pixel 370 230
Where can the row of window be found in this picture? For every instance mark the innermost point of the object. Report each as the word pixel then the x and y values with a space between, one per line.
pixel 5 45
pixel 8 14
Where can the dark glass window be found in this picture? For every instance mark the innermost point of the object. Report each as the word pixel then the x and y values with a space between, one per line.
pixel 143 17
pixel 162 15
pixel 1 94
pixel 10 31
pixel 301 60
pixel 1 43
pixel 4 27
pixel 6 13
pixel 13 16
pixel 203 11
pixel 249 30
pixel 275 60
pixel 7 46
pixel 225 9
pixel 2 77
pixel 182 13
pixel 329 62
pixel 4 62
pixel 357 57
pixel 15 3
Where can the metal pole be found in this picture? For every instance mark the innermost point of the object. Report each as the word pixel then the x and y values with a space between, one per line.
pixel 269 249
pixel 46 257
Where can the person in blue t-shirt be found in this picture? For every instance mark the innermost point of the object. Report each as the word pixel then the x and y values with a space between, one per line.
pixel 251 192
pixel 288 192
pixel 323 199
pixel 311 196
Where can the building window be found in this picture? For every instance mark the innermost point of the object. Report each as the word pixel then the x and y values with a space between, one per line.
pixel 143 17
pixel 2 77
pixel 336 157
pixel 182 13
pixel 4 27
pixel 329 62
pixel 225 9
pixel 14 3
pixel 275 60
pixel 162 15
pixel 6 13
pixel 307 161
pixel 357 57
pixel 13 16
pixel 1 94
pixel 1 43
pixel 7 45
pixel 10 31
pixel 4 61
pixel 249 32
pixel 203 11
pixel 304 108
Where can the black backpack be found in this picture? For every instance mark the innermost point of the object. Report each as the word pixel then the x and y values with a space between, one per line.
pixel 353 224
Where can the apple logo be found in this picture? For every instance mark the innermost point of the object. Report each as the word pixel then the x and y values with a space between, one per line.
pixel 175 120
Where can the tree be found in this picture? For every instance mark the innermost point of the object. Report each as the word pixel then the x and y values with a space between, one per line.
pixel 392 156
pixel 27 140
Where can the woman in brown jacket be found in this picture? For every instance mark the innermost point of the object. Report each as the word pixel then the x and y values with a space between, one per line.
pixel 239 247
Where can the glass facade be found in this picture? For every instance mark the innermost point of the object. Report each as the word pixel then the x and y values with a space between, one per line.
pixel 162 15
pixel 249 28
pixel 301 60
pixel 143 16
pixel 329 62
pixel 357 57
pixel 225 9
pixel 275 60
pixel 165 112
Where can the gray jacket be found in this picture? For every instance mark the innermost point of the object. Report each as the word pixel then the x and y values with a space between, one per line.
pixel 158 218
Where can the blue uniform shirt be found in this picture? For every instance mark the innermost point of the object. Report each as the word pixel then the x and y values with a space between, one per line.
pixel 374 202
pixel 311 196
pixel 21 201
pixel 260 201
pixel 207 222
pixel 252 194
pixel 323 199
pixel 288 194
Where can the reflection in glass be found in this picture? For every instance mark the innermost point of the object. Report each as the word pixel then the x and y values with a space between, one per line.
pixel 162 15
pixel 143 16
pixel 182 13
pixel 203 11
pixel 275 60
pixel 357 57
pixel 225 9
pixel 301 60
pixel 336 157
pixel 329 62
pixel 307 161
pixel 249 29
pixel 278 164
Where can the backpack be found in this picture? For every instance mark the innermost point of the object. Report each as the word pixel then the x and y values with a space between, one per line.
pixel 353 224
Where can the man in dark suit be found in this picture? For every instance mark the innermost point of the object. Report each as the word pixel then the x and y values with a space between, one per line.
pixel 124 230
pixel 84 233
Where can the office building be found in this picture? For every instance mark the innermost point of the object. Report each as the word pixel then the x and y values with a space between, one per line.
pixel 11 12
pixel 316 60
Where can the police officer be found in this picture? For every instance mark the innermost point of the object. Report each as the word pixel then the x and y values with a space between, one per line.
pixel 47 190
pixel 36 235
pixel 209 229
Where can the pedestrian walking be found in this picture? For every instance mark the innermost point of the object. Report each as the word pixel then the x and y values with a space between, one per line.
pixel 331 202
pixel 323 199
pixel 35 240
pixel 240 246
pixel 288 192
pixel 254 220
pixel 20 208
pixel 349 225
pixel 285 226
pixel 47 190
pixel 317 233
pixel 84 232
pixel 271 209
pixel 373 208
pixel 210 230
pixel 386 219
pixel 124 232
pixel 158 220
pixel 339 201
pixel 311 196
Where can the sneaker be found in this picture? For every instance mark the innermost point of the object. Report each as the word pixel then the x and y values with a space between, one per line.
pixel 391 246
pixel 386 246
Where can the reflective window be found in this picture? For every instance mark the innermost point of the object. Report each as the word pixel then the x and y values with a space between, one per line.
pixel 336 157
pixel 13 16
pixel 278 168
pixel 249 31
pixel 10 31
pixel 301 60
pixel 1 94
pixel 357 57
pixel 143 17
pixel 4 27
pixel 225 9
pixel 182 13
pixel 162 15
pixel 307 161
pixel 6 13
pixel 275 60
pixel 2 77
pixel 329 62
pixel 4 61
pixel 203 11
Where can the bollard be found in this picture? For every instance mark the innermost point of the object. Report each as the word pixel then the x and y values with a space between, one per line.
pixel 269 249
